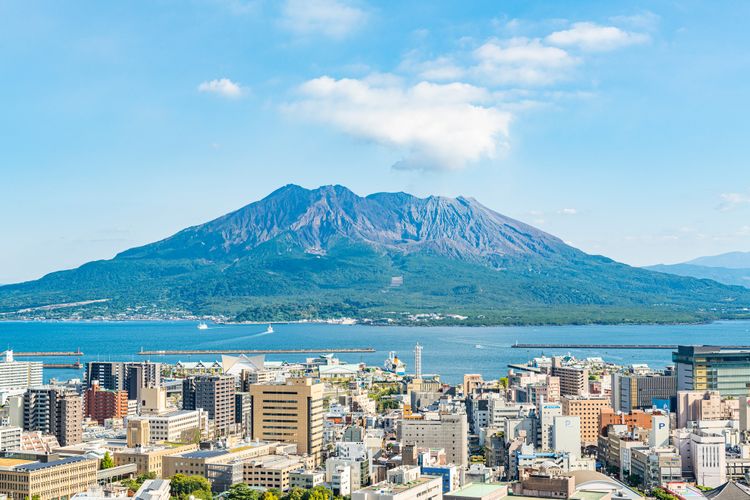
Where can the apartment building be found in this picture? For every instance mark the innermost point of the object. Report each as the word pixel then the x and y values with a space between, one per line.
pixel 180 426
pixel 19 374
pixel 55 411
pixel 574 381
pixel 103 404
pixel 215 395
pixel 273 471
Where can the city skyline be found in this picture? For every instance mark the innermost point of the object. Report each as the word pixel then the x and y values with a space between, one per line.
pixel 615 128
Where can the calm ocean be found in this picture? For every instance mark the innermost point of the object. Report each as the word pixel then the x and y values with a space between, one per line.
pixel 449 351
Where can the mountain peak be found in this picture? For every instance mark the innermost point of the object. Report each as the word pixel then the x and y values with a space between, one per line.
pixel 318 219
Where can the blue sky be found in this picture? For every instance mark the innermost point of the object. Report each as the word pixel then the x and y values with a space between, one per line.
pixel 620 127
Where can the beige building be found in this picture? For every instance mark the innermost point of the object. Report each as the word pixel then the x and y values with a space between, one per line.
pixel 471 382
pixel 704 405
pixel 416 488
pixel 194 463
pixel 588 409
pixel 291 413
pixel 138 432
pixel 448 432
pixel 150 458
pixel 180 426
pixel 273 471
pixel 22 478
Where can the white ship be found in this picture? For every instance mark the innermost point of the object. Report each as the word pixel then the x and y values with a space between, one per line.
pixel 269 329
pixel 202 326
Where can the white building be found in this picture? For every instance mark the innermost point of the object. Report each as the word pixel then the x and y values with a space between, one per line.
pixel 547 414
pixel 306 479
pixel 566 435
pixel 10 438
pixel 404 484
pixel 19 374
pixel 708 459
pixel 341 480
pixel 175 426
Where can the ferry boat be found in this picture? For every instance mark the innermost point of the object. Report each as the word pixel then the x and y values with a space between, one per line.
pixel 202 326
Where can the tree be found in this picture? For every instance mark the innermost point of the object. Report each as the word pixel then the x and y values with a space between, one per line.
pixel 242 491
pixel 269 495
pixel 134 484
pixel 107 462
pixel 318 493
pixel 183 486
pixel 294 494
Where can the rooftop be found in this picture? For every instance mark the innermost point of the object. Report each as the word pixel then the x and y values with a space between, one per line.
pixel 34 466
pixel 478 490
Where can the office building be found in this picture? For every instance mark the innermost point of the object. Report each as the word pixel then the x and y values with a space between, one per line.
pixel 140 375
pixel 22 476
pixel 215 395
pixel 588 409
pixel 706 368
pixel 273 471
pixel 54 411
pixel 291 412
pixel 449 432
pixel 547 414
pixel 179 426
pixel 109 374
pixel 102 404
pixel 19 374
pixel 638 392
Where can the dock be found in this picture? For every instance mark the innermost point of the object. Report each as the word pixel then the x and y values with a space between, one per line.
pixel 63 366
pixel 613 346
pixel 198 352
pixel 46 354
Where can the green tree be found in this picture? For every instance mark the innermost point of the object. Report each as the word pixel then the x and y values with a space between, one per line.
pixel 134 484
pixel 294 494
pixel 107 462
pixel 183 486
pixel 242 491
pixel 269 495
pixel 318 493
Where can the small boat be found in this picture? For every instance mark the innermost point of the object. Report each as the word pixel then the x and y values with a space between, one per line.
pixel 202 326
pixel 478 346
pixel 269 329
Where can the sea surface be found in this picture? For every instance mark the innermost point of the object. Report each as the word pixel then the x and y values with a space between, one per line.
pixel 448 351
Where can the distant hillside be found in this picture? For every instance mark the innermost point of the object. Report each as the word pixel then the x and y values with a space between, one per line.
pixel 731 260
pixel 731 268
pixel 327 253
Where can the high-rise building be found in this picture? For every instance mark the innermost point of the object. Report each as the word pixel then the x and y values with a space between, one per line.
pixel 547 414
pixel 243 413
pixel 19 374
pixel 449 432
pixel 10 438
pixel 291 412
pixel 639 392
pixel 693 406
pixel 574 381
pixel 702 368
pixel 101 404
pixel 140 375
pixel 55 411
pixel 588 408
pixel 215 395
pixel 109 374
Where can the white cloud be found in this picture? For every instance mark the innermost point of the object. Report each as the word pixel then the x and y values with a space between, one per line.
pixel 331 18
pixel 436 126
pixel 595 37
pixel 521 61
pixel 730 201
pixel 222 86
pixel 568 211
